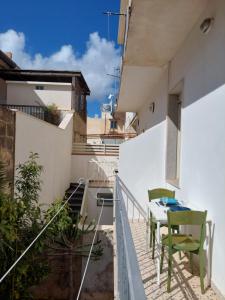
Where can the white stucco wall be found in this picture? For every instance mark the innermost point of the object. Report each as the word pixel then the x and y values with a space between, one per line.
pixel 54 146
pixel 200 64
pixel 141 162
pixel 94 210
pixel 24 93
pixel 85 166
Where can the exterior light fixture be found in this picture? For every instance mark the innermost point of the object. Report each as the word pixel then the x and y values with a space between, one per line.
pixel 152 107
pixel 206 25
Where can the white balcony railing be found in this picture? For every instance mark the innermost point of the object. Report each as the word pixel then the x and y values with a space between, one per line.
pixel 128 282
pixel 95 149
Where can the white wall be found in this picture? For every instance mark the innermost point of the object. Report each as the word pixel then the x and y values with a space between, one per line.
pixel 200 64
pixel 81 166
pixel 141 162
pixel 24 93
pixel 158 95
pixel 54 146
pixel 94 210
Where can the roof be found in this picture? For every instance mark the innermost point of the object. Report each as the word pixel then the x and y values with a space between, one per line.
pixel 8 60
pixel 45 76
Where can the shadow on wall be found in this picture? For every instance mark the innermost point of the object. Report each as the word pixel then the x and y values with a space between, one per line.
pixel 98 283
pixel 57 285
pixel 39 95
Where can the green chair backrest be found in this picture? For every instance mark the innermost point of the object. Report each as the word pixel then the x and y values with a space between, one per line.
pixel 159 193
pixel 187 218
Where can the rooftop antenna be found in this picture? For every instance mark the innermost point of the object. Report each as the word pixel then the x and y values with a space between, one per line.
pixel 116 77
pixel 110 13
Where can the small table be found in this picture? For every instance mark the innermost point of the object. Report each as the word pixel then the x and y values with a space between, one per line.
pixel 159 212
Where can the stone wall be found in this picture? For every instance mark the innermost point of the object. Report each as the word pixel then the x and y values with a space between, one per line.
pixel 79 129
pixel 7 143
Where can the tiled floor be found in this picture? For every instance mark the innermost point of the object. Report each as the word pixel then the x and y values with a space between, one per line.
pixel 184 285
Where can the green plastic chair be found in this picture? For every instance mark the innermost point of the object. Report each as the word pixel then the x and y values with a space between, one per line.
pixel 184 242
pixel 157 194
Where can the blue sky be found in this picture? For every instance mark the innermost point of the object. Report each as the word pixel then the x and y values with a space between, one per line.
pixel 55 34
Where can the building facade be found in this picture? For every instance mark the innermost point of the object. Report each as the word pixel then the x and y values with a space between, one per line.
pixel 109 129
pixel 173 79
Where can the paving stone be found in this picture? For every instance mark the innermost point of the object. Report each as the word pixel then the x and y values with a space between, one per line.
pixel 184 285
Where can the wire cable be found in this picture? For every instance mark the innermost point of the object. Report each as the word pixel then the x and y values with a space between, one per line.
pixel 89 255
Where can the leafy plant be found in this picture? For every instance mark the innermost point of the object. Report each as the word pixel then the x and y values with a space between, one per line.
pixel 3 179
pixel 21 220
pixel 69 243
pixel 52 114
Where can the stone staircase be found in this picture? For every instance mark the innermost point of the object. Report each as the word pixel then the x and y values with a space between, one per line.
pixel 75 201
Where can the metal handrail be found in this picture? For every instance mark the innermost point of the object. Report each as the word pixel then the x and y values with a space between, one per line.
pixel 133 200
pixel 129 285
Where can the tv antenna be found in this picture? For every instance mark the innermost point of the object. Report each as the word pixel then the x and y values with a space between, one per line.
pixel 109 14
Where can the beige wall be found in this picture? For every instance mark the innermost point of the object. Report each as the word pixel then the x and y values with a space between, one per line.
pixel 53 144
pixel 24 93
pixel 99 128
pixel 102 125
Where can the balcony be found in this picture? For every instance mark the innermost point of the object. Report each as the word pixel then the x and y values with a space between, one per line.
pixel 96 149
pixel 136 276
pixel 40 112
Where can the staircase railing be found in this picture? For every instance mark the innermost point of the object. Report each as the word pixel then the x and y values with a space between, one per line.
pixel 128 282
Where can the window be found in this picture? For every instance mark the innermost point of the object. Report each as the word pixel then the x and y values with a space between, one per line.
pixel 173 139
pixel 106 197
pixel 113 124
pixel 39 87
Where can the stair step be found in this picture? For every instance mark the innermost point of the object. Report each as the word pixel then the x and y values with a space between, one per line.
pixel 74 185
pixel 74 197
pixel 75 209
pixel 75 200
pixel 78 192
pixel 75 205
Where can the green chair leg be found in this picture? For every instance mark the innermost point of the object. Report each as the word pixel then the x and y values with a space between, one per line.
pixel 180 255
pixel 178 232
pixel 162 258
pixel 169 271
pixel 151 232
pixel 153 244
pixel 191 262
pixel 201 265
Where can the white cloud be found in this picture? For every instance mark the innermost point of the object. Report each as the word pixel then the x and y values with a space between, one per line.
pixel 101 57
